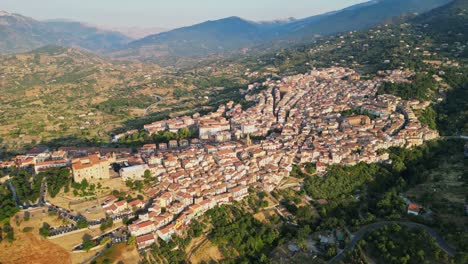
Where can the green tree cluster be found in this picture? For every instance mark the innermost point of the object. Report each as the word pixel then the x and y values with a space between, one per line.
pixel 400 244
pixel 9 232
pixel 27 187
pixel 234 229
pixel 106 224
pixel 57 179
pixel 82 224
pixel 339 181
pixel 44 231
pixel 88 242
pixel 7 204
pixel 422 87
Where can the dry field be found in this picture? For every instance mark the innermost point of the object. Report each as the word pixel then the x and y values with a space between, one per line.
pixel 264 216
pixel 120 253
pixel 30 247
pixel 206 252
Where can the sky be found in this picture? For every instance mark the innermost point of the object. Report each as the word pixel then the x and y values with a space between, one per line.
pixel 168 13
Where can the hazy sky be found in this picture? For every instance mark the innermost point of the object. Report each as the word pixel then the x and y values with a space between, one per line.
pixel 168 13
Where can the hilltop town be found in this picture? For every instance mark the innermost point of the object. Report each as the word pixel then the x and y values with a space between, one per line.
pixel 334 138
pixel 324 117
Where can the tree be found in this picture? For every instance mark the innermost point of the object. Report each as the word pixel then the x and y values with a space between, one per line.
pixel 138 185
pixel 129 184
pixel 82 224
pixel 147 177
pixel 103 226
pixel 110 222
pixel 57 178
pixel 44 230
pixel 106 224
pixel 184 133
pixel 7 204
pixel 331 251
pixel 84 184
pixel 421 255
pixel 9 232
pixel 131 241
pixel 303 232
pixel 26 216
pixel 88 242
pixel 147 174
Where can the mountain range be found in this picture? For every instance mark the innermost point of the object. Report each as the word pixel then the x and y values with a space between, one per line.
pixel 235 33
pixel 20 34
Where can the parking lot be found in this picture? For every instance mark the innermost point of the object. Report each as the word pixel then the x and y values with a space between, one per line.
pixel 118 235
pixel 59 230
pixel 67 214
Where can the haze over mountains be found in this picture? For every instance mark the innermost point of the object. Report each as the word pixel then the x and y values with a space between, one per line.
pixel 236 33
pixel 20 34
pixel 136 32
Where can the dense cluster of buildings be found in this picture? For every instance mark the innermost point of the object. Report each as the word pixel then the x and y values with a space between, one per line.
pixel 325 117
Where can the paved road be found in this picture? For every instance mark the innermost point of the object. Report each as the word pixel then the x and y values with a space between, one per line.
pixel 15 197
pixel 159 100
pixel 360 234
pixel 455 137
pixel 42 196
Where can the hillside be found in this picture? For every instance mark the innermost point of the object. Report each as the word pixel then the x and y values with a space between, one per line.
pixel 205 38
pixel 68 96
pixel 447 23
pixel 361 16
pixel 235 33
pixel 21 34
pixel 54 92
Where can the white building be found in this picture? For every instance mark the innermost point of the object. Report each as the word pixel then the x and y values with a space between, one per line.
pixel 133 172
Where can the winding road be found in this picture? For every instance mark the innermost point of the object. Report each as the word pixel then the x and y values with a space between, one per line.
pixel 360 234
pixel 159 100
